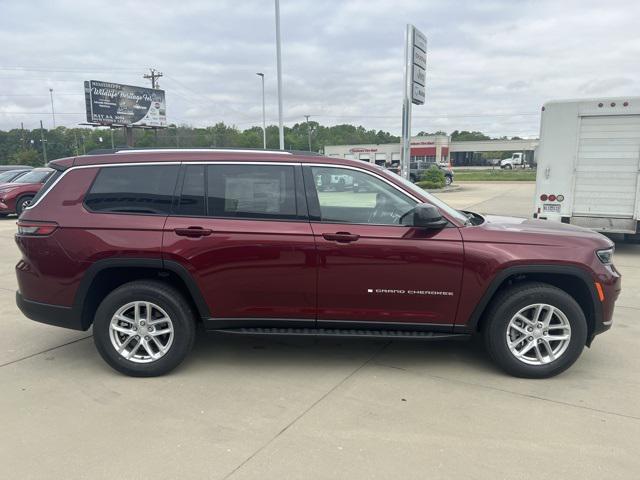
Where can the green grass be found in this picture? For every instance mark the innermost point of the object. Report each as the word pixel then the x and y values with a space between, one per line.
pixel 494 175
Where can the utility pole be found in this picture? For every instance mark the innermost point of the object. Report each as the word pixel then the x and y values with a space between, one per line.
pixel 44 143
pixel 264 121
pixel 113 146
pixel 53 113
pixel 154 75
pixel 308 131
pixel 279 65
pixel 22 133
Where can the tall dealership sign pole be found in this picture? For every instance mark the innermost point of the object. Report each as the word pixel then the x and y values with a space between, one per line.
pixel 279 65
pixel 415 53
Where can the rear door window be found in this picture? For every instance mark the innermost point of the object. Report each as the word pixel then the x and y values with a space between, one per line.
pixel 252 191
pixel 145 189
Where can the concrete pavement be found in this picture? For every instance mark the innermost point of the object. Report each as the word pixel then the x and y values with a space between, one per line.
pixel 246 408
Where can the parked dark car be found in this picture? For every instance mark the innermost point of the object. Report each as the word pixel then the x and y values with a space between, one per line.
pixel 9 176
pixel 418 169
pixel 145 245
pixel 6 168
pixel 16 196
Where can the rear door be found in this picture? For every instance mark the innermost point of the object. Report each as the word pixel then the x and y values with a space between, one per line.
pixel 608 161
pixel 242 231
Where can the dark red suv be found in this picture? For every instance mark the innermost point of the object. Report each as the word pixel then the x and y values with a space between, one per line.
pixel 143 245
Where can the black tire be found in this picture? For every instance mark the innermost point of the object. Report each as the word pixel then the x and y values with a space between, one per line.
pixel 448 180
pixel 508 167
pixel 22 203
pixel 162 295
pixel 512 300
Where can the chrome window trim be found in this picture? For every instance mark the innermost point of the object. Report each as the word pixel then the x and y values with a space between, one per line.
pixel 224 162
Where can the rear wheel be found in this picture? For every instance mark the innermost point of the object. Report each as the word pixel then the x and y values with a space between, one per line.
pixel 535 330
pixel 22 203
pixel 144 328
pixel 448 180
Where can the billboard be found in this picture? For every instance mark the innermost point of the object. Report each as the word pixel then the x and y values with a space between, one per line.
pixel 114 104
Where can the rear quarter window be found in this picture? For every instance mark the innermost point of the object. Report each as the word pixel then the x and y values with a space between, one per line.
pixel 47 186
pixel 145 189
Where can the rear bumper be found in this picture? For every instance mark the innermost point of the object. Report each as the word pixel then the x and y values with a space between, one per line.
pixel 56 315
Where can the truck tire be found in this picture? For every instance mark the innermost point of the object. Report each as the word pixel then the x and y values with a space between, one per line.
pixel 535 330
pixel 144 328
pixel 508 167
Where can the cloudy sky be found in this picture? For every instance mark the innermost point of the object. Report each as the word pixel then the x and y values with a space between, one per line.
pixel 491 64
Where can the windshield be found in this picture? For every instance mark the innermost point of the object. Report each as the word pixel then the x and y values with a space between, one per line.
pixel 34 176
pixel 10 175
pixel 458 215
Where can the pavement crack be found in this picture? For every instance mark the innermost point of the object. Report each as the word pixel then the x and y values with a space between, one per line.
pixel 519 394
pixel 43 351
pixel 308 409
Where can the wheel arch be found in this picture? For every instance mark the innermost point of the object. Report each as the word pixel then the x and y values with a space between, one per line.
pixel 105 275
pixel 574 280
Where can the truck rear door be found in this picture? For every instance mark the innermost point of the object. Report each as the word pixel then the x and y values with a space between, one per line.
pixel 608 161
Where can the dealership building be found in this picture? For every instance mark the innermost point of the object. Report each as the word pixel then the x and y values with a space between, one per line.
pixel 431 148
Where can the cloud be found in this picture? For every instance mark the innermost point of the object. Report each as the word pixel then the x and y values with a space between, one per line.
pixel 491 64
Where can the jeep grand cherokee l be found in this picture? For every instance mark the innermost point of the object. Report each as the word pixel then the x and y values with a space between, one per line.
pixel 142 245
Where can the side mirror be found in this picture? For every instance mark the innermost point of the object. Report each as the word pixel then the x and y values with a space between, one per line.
pixel 425 215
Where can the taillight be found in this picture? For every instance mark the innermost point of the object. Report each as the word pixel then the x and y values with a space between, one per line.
pixel 560 198
pixel 36 228
pixel 543 197
pixel 552 198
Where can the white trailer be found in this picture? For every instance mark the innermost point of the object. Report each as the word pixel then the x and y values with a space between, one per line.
pixel 589 164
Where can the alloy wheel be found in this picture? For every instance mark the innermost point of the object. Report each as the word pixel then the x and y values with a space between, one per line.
pixel 141 332
pixel 538 334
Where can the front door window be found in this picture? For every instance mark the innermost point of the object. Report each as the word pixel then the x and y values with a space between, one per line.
pixel 352 196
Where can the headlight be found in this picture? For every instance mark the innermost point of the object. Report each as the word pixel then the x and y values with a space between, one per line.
pixel 606 256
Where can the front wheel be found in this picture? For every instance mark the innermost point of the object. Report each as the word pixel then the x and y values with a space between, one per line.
pixel 535 330
pixel 144 328
pixel 448 180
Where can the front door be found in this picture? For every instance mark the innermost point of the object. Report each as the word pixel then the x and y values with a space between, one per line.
pixel 242 232
pixel 372 268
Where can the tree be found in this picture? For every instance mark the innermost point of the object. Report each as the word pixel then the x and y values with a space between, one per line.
pixel 26 157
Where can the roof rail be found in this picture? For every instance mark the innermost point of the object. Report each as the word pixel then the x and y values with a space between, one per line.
pixel 106 151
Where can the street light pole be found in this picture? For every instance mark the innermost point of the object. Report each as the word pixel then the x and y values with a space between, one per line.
pixel 279 65
pixel 308 130
pixel 44 143
pixel 264 121
pixel 53 113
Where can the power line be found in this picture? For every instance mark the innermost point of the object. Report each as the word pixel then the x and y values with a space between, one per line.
pixel 63 70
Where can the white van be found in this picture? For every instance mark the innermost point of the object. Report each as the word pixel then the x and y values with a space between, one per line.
pixel 589 162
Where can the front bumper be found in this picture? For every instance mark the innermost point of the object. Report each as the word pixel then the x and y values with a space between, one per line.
pixel 56 315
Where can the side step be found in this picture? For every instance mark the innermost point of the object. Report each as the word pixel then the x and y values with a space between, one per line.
pixel 339 332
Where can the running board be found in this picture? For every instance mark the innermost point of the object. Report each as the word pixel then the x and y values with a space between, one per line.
pixel 339 332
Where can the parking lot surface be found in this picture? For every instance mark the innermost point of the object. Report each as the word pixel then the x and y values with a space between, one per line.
pixel 289 408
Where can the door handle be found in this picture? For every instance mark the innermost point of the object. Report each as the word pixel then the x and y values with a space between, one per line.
pixel 341 237
pixel 193 232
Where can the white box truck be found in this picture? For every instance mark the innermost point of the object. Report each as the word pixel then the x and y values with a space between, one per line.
pixel 589 164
